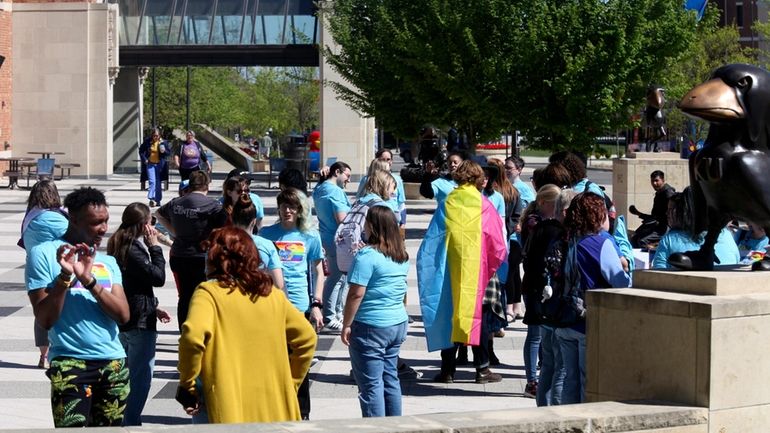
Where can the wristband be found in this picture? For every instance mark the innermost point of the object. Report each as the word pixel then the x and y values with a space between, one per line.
pixel 65 278
pixel 316 304
pixel 91 284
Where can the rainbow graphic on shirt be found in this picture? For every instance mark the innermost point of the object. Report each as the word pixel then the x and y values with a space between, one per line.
pixel 291 251
pixel 461 251
pixel 102 275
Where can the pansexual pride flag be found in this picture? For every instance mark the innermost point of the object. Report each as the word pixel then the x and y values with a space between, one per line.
pixel 461 251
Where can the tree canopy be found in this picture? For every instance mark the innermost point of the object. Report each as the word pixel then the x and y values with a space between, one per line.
pixel 561 71
pixel 251 100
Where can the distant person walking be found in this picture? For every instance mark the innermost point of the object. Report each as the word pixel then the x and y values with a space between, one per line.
pixel 153 153
pixel 236 336
pixel 190 157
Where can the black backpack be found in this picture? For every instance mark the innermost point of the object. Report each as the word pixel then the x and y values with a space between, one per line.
pixel 555 303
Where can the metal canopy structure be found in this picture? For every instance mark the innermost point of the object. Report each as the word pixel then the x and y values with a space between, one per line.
pixel 218 32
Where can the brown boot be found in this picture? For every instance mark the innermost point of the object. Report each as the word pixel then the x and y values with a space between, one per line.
pixel 485 375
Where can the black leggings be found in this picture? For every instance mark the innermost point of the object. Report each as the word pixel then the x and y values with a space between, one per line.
pixel 513 282
pixel 188 273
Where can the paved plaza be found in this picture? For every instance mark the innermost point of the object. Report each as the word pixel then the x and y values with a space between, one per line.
pixel 24 389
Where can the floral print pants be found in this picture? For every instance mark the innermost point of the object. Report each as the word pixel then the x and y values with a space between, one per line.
pixel 88 393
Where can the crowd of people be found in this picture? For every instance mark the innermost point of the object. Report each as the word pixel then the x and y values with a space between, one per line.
pixel 497 250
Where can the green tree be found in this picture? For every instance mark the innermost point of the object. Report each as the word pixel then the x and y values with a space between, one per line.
pixel 713 46
pixel 562 71
pixel 250 99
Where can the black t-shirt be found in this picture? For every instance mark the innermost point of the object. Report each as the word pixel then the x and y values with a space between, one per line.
pixel 193 217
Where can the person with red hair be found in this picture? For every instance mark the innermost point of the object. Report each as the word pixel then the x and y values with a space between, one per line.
pixel 223 345
pixel 593 261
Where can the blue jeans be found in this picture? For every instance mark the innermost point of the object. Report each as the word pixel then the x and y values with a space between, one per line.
pixel 154 184
pixel 549 387
pixel 139 345
pixel 572 345
pixel 531 351
pixel 374 358
pixel 335 288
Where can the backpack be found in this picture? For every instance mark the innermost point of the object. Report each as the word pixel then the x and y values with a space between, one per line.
pixel 555 299
pixel 349 236
pixel 612 213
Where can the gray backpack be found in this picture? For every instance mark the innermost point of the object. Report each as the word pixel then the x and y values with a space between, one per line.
pixel 349 236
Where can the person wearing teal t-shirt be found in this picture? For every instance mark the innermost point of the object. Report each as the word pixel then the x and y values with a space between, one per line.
pixel 299 249
pixel 331 205
pixel 44 221
pixel 386 156
pixel 77 294
pixel 375 319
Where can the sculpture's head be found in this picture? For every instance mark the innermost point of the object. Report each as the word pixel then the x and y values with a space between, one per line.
pixel 735 92
pixel 655 96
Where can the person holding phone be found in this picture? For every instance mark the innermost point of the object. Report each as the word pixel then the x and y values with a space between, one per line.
pixel 136 249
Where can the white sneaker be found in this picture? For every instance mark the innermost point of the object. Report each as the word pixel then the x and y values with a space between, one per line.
pixel 334 326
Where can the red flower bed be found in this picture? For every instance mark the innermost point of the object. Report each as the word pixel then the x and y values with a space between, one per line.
pixel 491 146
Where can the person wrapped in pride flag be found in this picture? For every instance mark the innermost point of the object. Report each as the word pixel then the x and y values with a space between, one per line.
pixel 463 248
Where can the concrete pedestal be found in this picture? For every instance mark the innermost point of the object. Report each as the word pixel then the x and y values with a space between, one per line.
pixel 631 180
pixel 708 350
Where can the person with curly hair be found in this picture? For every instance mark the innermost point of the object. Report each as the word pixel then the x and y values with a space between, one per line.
pixel 223 344
pixel 593 261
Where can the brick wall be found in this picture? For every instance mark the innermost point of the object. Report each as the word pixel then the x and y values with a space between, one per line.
pixel 5 78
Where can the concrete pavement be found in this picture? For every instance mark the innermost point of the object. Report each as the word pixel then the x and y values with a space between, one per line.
pixel 24 389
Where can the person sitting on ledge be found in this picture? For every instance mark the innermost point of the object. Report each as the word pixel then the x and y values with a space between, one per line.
pixel 654 224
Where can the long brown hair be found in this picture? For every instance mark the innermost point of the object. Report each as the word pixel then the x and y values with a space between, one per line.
pixel 243 211
pixel 501 182
pixel 44 195
pixel 230 184
pixel 383 234
pixel 233 261
pixel 135 216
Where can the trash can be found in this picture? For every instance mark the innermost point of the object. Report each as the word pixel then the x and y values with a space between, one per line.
pixel 295 152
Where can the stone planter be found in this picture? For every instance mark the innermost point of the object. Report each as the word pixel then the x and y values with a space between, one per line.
pixel 493 153
pixel 412 191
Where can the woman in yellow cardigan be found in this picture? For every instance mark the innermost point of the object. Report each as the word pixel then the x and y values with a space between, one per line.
pixel 235 339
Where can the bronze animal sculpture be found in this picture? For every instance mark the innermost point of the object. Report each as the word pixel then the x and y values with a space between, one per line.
pixel 729 175
pixel 654 119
